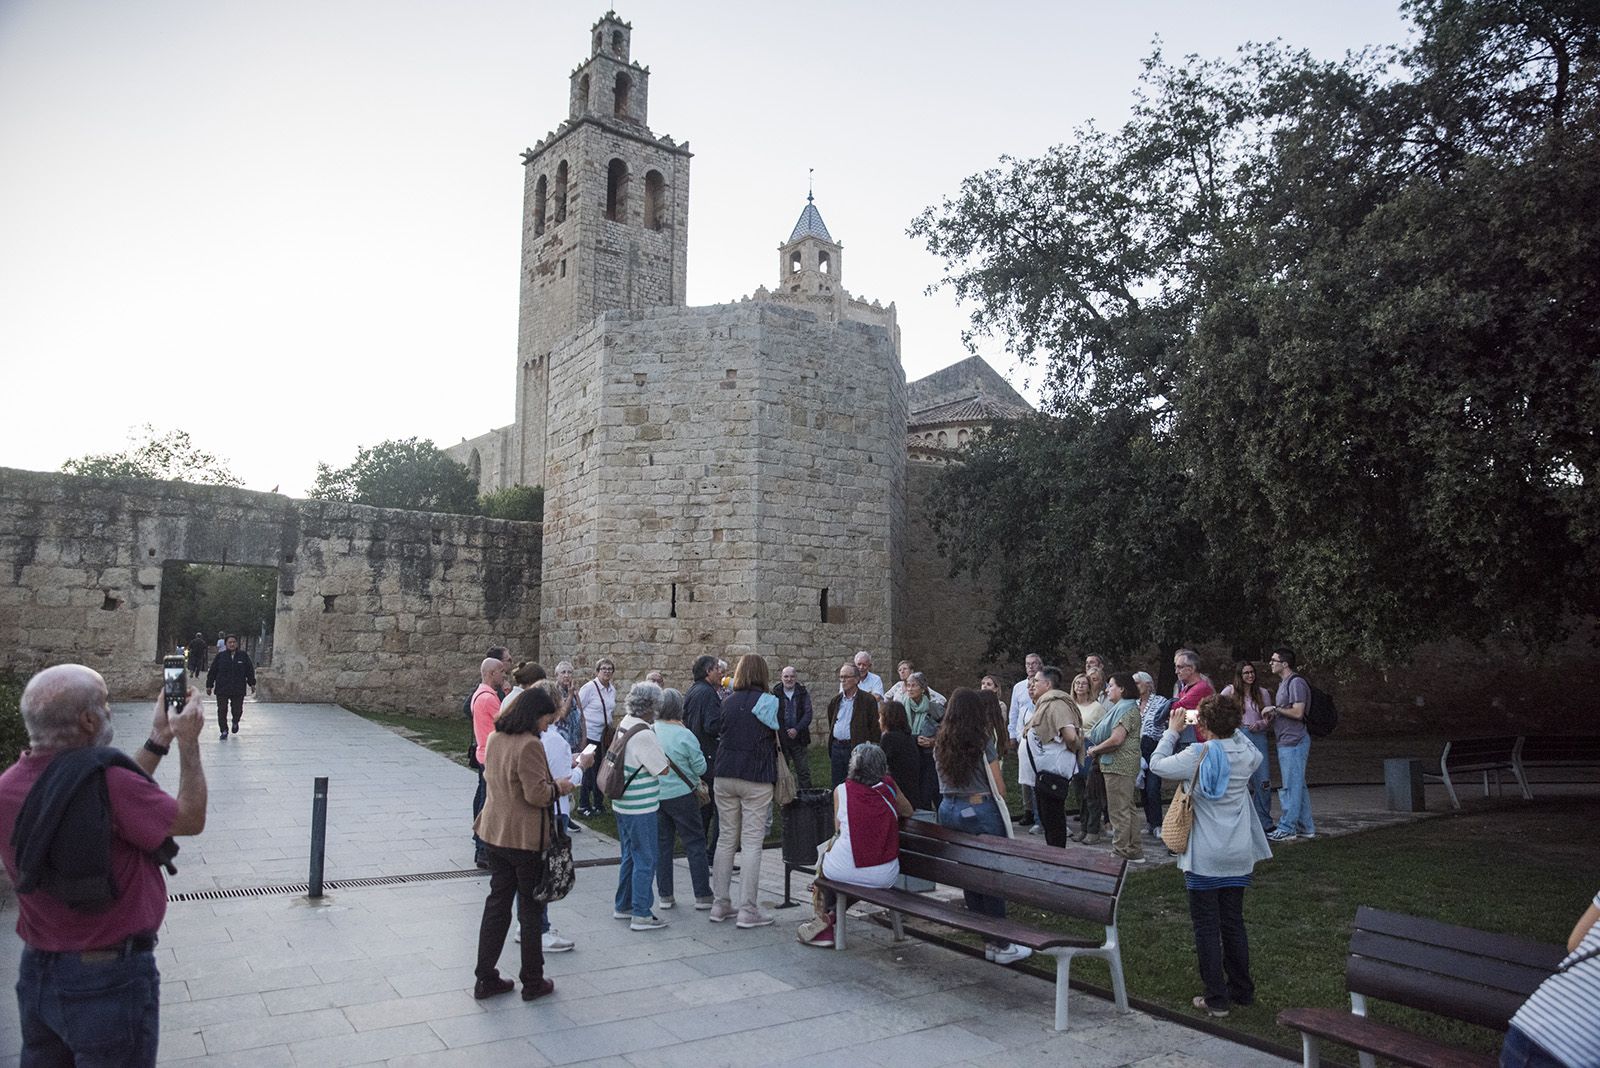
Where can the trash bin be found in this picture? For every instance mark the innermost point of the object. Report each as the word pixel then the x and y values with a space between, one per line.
pixel 807 823
pixel 1402 784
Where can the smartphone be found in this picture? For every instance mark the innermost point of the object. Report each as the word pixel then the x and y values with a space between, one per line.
pixel 174 682
pixel 590 749
pixel 1191 716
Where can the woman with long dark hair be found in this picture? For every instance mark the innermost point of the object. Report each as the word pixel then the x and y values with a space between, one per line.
pixel 516 826
pixel 968 767
pixel 1224 845
pixel 901 751
pixel 1254 698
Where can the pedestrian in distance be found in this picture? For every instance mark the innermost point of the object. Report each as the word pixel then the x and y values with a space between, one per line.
pixel 228 676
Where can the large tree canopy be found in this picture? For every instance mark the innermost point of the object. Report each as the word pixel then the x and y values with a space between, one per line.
pixel 1351 310
pixel 409 473
pixel 169 455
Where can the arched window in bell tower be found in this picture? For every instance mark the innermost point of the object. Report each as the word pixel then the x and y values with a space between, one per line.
pixel 561 192
pixel 795 262
pixel 540 189
pixel 619 105
pixel 616 43
pixel 824 263
pixel 583 95
pixel 617 191
pixel 655 200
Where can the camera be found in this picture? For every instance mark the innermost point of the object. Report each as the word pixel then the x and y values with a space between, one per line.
pixel 174 682
pixel 1191 716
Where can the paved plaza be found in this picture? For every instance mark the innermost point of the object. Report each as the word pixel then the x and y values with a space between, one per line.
pixel 383 975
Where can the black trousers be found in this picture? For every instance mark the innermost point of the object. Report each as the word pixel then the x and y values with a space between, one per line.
pixel 1221 945
pixel 1152 785
pixel 708 817
pixel 513 873
pixel 223 704
pixel 1092 812
pixel 1052 813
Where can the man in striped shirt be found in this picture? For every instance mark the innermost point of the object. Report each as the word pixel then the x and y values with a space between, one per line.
pixel 642 763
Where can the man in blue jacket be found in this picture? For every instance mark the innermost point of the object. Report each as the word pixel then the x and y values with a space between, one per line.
pixel 229 674
pixel 794 725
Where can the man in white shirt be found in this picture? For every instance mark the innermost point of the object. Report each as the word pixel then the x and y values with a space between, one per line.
pixel 867 680
pixel 598 700
pixel 1021 708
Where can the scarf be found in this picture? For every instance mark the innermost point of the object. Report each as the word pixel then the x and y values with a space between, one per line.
pixel 918 711
pixel 1214 772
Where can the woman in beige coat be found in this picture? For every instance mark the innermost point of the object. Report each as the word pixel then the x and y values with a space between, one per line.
pixel 516 826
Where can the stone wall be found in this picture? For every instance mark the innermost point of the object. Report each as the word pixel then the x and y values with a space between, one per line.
pixel 376 608
pixel 711 473
pixel 944 623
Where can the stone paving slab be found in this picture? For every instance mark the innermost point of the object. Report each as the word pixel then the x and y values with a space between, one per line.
pixel 384 975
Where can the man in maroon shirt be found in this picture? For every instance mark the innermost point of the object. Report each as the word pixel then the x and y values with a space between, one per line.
pixel 88 991
pixel 1193 688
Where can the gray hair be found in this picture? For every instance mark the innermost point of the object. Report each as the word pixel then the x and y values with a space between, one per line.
pixel 919 678
pixel 644 700
pixel 868 764
pixel 53 700
pixel 671 706
pixel 565 665
pixel 863 653
pixel 1188 656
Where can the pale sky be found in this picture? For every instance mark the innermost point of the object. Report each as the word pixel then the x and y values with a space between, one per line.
pixel 292 227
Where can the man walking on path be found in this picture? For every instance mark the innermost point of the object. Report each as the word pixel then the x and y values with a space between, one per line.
pixel 1294 748
pixel 229 674
pixel 88 991
pixel 199 654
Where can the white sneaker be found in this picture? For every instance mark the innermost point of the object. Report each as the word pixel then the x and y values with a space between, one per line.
pixel 1010 954
pixel 749 918
pixel 988 951
pixel 647 923
pixel 1281 835
pixel 665 903
pixel 552 942
pixel 1037 828
pixel 618 914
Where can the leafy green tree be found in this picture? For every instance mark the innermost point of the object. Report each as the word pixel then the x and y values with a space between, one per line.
pixel 411 474
pixel 167 455
pixel 514 502
pixel 1356 300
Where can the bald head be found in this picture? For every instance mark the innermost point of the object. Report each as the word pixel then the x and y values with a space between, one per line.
pixel 492 671
pixel 55 703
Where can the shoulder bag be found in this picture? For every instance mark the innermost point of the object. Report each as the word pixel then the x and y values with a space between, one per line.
pixel 784 789
pixel 1045 782
pixel 559 873
pixel 1179 820
pixel 702 792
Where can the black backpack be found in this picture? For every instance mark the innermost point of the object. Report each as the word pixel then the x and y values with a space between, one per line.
pixel 1322 715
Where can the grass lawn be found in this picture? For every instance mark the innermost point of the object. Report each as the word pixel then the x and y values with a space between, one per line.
pixel 1524 869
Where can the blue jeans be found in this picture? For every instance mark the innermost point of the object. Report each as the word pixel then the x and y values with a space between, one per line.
pixel 637 832
pixel 1261 780
pixel 93 1014
pixel 982 817
pixel 1151 794
pixel 1520 1051
pixel 679 817
pixel 479 850
pixel 1221 946
pixel 1294 800
pixel 838 760
pixel 589 795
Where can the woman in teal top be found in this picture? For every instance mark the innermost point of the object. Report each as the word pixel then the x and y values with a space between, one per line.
pixel 679 814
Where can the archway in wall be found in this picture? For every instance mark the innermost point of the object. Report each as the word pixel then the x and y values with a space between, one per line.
pixel 216 599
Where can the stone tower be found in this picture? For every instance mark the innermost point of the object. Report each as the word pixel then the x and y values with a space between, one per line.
pixel 811 260
pixel 604 226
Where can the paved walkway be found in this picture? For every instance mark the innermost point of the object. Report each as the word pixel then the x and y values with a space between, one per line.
pixel 383 975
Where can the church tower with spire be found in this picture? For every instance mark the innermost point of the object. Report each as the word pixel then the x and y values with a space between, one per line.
pixel 811 260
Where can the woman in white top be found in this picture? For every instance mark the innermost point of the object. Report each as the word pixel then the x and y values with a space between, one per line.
pixel 564 764
pixel 879 808
pixel 598 699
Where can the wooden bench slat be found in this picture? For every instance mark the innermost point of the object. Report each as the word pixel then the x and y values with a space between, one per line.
pixel 1486 970
pixel 1094 907
pixel 1467 939
pixel 1391 1043
pixel 956 916
pixel 1459 999
pixel 1079 857
pixel 1023 867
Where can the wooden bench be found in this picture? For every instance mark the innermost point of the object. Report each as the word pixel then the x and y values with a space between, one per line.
pixel 1452 971
pixel 1557 751
pixel 1488 756
pixel 1081 883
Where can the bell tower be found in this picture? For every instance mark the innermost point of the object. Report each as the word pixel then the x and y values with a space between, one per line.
pixel 604 223
pixel 811 261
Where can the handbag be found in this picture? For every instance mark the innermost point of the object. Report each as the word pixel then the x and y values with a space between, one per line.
pixel 555 882
pixel 1046 782
pixel 1179 818
pixel 784 789
pixel 702 792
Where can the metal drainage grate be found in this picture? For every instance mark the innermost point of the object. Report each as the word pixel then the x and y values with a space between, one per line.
pixel 329 884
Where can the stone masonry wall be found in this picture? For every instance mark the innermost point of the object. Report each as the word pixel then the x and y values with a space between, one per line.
pixel 376 608
pixel 711 472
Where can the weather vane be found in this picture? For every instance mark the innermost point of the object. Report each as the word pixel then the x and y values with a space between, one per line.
pixel 810 184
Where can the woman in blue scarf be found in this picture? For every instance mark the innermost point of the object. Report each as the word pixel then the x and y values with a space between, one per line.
pixel 1224 845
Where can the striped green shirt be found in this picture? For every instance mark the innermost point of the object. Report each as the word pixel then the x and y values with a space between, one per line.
pixel 643 795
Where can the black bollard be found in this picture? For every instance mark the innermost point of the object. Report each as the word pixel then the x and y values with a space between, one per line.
pixel 319 832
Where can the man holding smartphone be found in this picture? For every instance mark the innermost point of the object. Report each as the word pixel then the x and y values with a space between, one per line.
pixel 229 674
pixel 88 990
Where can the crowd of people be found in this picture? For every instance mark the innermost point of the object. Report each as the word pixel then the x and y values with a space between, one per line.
pixel 699 770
